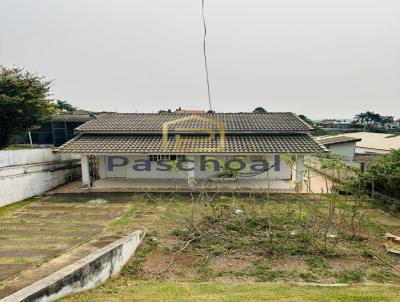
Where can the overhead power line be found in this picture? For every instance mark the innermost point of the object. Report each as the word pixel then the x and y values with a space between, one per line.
pixel 205 54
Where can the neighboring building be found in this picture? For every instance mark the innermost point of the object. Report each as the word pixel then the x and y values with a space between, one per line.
pixel 336 124
pixel 375 143
pixel 344 125
pixel 119 141
pixel 59 130
pixel 344 146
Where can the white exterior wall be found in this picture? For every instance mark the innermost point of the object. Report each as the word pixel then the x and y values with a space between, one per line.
pixel 128 172
pixel 285 172
pixel 347 150
pixel 32 156
pixel 26 173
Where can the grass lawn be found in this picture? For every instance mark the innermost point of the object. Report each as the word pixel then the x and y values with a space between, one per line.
pixel 207 291
pixel 202 248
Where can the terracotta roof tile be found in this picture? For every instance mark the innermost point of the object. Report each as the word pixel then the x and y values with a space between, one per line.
pixel 77 116
pixel 337 140
pixel 111 144
pixel 134 123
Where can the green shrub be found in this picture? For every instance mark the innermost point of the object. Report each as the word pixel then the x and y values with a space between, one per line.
pixel 316 262
pixel 384 276
pixel 385 174
pixel 350 276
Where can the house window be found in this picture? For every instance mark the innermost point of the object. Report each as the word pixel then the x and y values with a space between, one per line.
pixel 157 157
pixel 163 157
pixel 152 157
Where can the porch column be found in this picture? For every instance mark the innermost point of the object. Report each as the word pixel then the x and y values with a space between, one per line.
pixel 299 171
pixel 85 171
pixel 191 167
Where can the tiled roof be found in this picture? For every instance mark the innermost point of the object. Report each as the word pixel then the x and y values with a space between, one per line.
pixel 76 116
pixel 111 144
pixel 136 123
pixel 337 140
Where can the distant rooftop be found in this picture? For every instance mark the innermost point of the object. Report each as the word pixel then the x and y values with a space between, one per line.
pixel 384 142
pixel 80 116
pixel 337 139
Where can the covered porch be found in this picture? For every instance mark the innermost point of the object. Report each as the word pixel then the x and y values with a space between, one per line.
pixel 314 182
pixel 194 180
pixel 176 185
pixel 172 185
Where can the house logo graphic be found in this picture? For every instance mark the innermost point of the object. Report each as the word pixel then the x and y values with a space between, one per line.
pixel 210 137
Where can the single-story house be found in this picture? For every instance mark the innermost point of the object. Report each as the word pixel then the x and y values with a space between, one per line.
pixel 194 147
pixel 342 145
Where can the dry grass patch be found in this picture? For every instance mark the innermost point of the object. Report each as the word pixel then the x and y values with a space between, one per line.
pixel 36 230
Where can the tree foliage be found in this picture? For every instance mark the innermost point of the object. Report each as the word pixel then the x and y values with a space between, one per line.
pixel 65 107
pixel 370 119
pixel 259 110
pixel 24 102
pixel 306 119
pixel 385 174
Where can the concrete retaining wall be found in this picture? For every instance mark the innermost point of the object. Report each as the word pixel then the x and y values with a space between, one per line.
pixel 32 156
pixel 84 274
pixel 26 173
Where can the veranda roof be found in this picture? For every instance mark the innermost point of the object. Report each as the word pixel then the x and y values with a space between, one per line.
pixel 240 144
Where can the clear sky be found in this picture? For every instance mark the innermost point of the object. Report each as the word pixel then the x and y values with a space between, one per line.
pixel 322 58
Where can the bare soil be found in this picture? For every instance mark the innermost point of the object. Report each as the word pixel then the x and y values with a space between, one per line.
pixel 164 215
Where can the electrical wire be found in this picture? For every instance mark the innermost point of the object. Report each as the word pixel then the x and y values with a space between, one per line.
pixel 205 54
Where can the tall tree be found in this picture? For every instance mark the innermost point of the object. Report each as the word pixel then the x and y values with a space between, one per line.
pixel 361 117
pixel 63 106
pixel 24 102
pixel 369 117
pixel 376 118
pixel 386 120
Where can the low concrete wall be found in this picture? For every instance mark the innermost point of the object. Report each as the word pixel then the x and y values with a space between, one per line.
pixel 32 156
pixel 84 274
pixel 26 173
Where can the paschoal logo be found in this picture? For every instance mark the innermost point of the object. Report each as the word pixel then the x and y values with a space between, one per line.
pixel 194 143
pixel 204 135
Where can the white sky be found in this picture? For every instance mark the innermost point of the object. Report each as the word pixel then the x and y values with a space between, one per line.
pixel 323 58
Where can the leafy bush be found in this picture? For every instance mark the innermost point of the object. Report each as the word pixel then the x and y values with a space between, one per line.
pixel 385 174
pixel 384 276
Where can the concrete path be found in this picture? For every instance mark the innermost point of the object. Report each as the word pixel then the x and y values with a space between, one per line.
pixel 47 234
